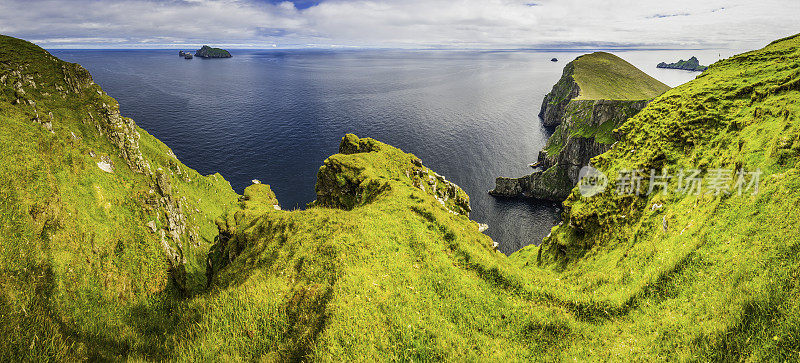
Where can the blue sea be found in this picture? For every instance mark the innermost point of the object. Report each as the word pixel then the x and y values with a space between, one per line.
pixel 275 115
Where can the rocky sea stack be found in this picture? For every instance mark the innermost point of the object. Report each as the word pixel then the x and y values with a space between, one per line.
pixel 209 52
pixel 687 65
pixel 597 92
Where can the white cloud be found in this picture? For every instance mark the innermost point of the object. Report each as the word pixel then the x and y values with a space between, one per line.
pixel 406 23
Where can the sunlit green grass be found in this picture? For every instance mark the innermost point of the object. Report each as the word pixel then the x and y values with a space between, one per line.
pixel 604 76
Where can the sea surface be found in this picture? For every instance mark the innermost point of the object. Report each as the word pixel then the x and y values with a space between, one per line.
pixel 275 115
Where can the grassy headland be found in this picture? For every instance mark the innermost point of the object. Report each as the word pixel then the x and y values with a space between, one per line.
pixel 604 76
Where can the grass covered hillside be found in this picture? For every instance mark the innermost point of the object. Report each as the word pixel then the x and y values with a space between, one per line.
pixel 99 222
pixel 385 264
pixel 710 276
pixel 604 76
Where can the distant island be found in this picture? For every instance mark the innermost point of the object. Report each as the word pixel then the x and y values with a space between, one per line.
pixel 688 65
pixel 208 52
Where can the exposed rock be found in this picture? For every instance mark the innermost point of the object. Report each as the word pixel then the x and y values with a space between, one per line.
pixel 584 126
pixel 162 182
pixel 554 59
pixel 152 225
pixel 584 132
pixel 176 261
pixel 122 132
pixel 556 101
pixel 105 164
pixel 48 124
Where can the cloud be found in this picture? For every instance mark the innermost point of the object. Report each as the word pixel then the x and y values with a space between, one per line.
pixel 399 23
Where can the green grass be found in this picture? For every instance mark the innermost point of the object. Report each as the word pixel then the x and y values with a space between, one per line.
pixel 77 256
pixel 604 76
pixel 386 265
pixel 727 264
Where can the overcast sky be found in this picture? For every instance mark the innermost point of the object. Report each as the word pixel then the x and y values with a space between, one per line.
pixel 400 23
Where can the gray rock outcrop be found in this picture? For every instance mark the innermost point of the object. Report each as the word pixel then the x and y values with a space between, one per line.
pixel 585 131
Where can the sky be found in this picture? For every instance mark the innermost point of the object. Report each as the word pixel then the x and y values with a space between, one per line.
pixel 460 24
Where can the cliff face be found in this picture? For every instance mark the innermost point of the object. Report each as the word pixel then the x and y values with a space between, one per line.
pixel 584 125
pixel 733 254
pixel 555 102
pixel 586 130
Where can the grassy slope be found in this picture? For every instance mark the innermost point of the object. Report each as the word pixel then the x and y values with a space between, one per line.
pixel 604 76
pixel 381 269
pixel 720 282
pixel 77 261
pixel 395 276
pixel 721 279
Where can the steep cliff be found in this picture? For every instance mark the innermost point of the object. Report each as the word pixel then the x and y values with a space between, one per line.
pixel 587 107
pixel 597 76
pixel 556 101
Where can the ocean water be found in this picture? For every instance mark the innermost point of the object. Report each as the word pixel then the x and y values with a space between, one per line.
pixel 275 115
